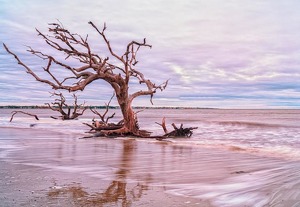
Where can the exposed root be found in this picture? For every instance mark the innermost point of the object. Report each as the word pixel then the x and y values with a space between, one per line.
pixel 98 128
pixel 177 132
pixel 180 132
pixel 102 129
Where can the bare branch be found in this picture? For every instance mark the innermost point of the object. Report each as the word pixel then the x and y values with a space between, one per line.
pixel 15 112
pixel 102 116
pixel 60 104
pixel 106 41
pixel 163 125
pixel 151 89
pixel 91 67
pixel 28 70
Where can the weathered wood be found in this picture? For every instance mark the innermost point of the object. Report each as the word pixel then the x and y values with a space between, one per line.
pixel 104 127
pixel 29 114
pixel 67 112
pixel 163 125
pixel 104 118
pixel 181 132
pixel 92 67
pixel 177 132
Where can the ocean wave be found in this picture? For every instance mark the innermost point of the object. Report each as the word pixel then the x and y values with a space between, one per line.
pixel 280 151
pixel 267 137
pixel 251 124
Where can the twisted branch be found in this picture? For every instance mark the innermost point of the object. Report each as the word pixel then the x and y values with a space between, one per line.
pixel 15 112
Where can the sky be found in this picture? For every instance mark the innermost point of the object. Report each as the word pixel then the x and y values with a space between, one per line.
pixel 215 53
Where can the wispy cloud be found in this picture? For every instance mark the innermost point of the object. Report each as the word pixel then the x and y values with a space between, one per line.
pixel 215 53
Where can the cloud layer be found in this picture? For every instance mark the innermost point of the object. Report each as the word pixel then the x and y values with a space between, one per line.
pixel 225 54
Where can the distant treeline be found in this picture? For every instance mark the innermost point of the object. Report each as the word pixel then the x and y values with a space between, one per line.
pixel 46 107
pixel 100 107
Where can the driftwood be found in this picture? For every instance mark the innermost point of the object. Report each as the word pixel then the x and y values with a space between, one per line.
pixel 177 132
pixel 29 114
pixel 103 117
pixel 180 132
pixel 106 130
pixel 99 126
pixel 103 129
pixel 67 112
pixel 103 124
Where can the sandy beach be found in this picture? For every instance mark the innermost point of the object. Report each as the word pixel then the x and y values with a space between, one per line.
pixel 33 186
pixel 42 167
pixel 39 172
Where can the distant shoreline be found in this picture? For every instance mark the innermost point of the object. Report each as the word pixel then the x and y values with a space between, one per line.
pixel 102 107
pixel 144 107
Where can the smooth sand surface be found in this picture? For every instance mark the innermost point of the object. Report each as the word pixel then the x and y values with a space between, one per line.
pixel 32 186
pixel 43 168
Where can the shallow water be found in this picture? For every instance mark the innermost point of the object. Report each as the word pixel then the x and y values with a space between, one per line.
pixel 235 157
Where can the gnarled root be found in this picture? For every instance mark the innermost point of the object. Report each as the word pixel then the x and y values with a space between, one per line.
pixel 177 132
pixel 121 132
pixel 180 132
pixel 115 130
pixel 102 129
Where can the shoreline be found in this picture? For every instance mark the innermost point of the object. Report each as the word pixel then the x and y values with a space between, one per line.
pixel 23 185
pixel 43 182
pixel 42 168
pixel 102 107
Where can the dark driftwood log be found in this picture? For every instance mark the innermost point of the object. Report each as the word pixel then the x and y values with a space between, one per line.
pixel 177 132
pixel 180 132
pixel 15 112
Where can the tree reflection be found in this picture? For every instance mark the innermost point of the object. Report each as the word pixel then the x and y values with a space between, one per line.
pixel 118 191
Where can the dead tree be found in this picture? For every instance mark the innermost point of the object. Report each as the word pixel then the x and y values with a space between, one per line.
pixel 92 67
pixel 118 70
pixel 67 112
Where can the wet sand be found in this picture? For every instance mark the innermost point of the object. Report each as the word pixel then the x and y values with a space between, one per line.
pixel 43 168
pixel 23 185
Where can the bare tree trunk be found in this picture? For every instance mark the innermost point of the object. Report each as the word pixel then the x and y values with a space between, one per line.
pixel 129 117
pixel 130 121
pixel 92 67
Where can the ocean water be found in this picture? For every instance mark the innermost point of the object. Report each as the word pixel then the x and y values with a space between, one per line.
pixel 270 132
pixel 235 157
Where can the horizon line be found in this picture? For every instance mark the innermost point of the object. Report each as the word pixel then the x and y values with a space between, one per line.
pixel 140 107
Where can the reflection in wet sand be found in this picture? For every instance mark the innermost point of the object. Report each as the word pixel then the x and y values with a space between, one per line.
pixel 116 192
pixel 127 172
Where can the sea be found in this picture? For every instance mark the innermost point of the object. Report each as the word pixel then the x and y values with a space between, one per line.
pixel 234 158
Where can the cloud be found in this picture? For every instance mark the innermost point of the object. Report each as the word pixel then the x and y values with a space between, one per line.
pixel 215 53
